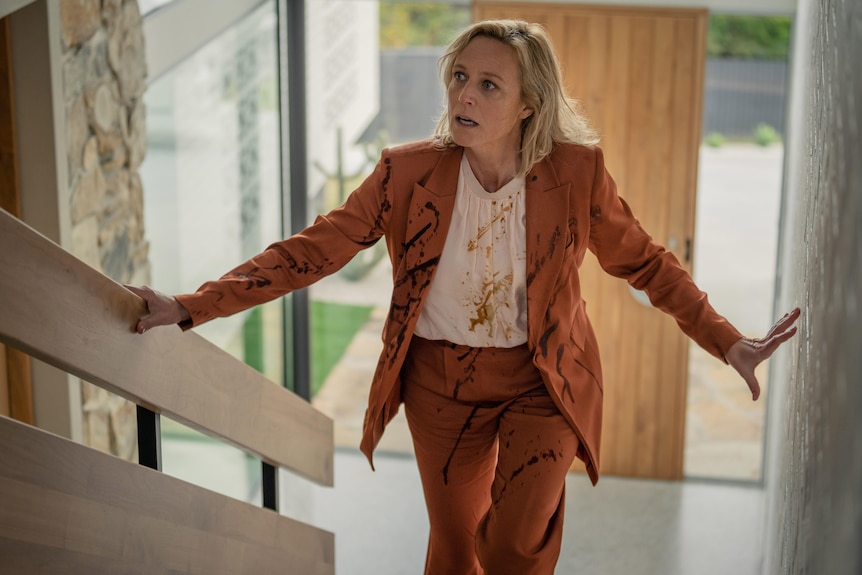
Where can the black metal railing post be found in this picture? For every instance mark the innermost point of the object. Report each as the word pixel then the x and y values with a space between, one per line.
pixel 269 481
pixel 149 438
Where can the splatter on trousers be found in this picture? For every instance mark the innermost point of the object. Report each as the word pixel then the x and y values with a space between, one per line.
pixel 493 452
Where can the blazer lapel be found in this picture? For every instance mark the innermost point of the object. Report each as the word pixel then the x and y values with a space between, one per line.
pixel 430 212
pixel 547 205
pixel 429 216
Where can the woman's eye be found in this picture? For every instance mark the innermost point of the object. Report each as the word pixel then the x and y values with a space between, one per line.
pixel 459 76
pixel 488 85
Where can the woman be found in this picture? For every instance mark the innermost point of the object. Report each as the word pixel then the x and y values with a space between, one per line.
pixel 487 342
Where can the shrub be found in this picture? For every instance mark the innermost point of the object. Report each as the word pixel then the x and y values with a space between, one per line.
pixel 764 134
pixel 714 140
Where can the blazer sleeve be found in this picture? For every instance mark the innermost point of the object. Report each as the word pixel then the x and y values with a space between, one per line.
pixel 300 260
pixel 624 249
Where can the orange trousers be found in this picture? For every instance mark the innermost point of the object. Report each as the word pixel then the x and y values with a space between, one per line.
pixel 493 453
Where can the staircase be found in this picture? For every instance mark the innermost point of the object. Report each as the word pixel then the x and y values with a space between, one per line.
pixel 67 508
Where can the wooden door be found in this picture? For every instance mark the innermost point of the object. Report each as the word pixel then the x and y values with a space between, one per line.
pixel 639 74
pixel 16 396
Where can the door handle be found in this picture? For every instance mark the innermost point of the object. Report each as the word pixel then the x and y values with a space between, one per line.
pixel 672 243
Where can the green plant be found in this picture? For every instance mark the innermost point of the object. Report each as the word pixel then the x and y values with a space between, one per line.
pixel 764 134
pixel 743 36
pixel 333 327
pixel 714 140
pixel 252 340
pixel 420 23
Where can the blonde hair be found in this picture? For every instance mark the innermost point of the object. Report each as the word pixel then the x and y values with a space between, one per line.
pixel 555 118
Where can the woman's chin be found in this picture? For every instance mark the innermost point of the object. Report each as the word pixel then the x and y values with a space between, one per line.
pixel 459 137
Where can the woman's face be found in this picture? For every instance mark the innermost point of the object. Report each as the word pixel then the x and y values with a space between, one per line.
pixel 485 105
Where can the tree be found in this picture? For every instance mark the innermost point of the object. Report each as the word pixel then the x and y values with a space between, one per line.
pixel 420 23
pixel 748 37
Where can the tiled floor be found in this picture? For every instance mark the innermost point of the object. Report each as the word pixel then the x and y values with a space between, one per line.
pixel 619 527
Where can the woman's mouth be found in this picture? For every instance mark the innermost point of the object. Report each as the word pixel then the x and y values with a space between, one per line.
pixel 465 121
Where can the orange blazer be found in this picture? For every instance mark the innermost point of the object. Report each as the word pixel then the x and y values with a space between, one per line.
pixel 571 205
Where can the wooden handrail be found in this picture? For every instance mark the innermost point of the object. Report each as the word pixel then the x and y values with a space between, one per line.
pixel 58 309
pixel 67 508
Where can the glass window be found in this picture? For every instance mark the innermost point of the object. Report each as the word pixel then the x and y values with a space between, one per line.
pixel 741 160
pixel 211 181
pixel 372 82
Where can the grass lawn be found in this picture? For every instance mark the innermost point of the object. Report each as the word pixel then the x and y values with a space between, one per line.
pixel 333 326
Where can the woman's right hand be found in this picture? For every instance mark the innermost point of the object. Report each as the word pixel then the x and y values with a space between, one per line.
pixel 163 309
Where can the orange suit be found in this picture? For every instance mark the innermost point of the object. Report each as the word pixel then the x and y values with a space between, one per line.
pixel 571 205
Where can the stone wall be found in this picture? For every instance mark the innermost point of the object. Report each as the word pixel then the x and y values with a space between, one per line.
pixel 104 78
pixel 814 470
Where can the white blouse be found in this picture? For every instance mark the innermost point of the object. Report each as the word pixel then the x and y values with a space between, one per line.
pixel 479 293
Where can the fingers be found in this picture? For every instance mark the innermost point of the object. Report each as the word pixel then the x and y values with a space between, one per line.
pixel 752 352
pixel 754 386
pixel 143 292
pixel 162 309
pixel 746 369
pixel 150 321
pixel 146 293
pixel 745 363
pixel 143 325
pixel 158 308
pixel 784 323
pixel 138 291
pixel 773 342
pixel 780 332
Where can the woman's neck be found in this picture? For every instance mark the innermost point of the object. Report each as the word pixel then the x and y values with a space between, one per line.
pixel 493 173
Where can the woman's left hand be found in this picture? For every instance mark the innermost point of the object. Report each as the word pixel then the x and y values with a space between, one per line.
pixel 746 354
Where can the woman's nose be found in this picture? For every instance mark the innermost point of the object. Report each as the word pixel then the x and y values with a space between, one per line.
pixel 465 94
